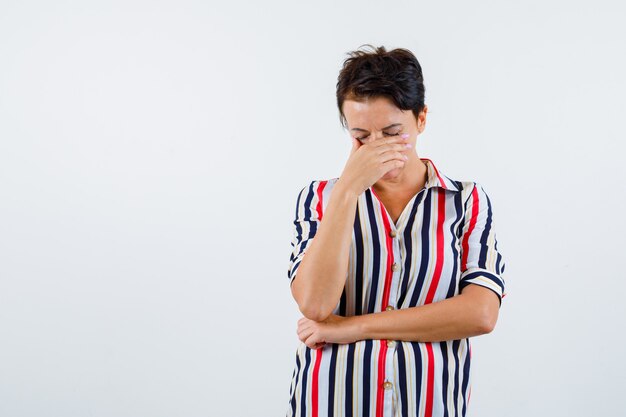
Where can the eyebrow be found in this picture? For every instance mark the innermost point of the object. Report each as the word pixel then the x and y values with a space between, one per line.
pixel 384 128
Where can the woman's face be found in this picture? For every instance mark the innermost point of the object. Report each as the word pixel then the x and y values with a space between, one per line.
pixel 378 118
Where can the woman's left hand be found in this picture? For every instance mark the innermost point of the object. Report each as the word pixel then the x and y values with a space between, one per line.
pixel 334 329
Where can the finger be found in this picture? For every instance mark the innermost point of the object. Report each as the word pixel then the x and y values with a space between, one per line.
pixel 404 138
pixel 304 333
pixel 356 144
pixel 392 164
pixel 303 338
pixel 393 154
pixel 313 340
pixel 305 326
pixel 393 151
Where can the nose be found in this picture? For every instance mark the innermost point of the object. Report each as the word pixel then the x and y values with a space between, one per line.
pixel 375 136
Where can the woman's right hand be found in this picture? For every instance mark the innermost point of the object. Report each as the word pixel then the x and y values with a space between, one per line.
pixel 368 162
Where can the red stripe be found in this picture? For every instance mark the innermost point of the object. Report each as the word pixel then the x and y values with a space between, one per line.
pixel 315 387
pixel 380 392
pixel 430 380
pixel 319 351
pixel 320 190
pixel 441 217
pixel 472 223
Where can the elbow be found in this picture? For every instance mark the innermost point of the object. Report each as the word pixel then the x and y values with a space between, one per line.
pixel 309 308
pixel 487 321
pixel 312 307
pixel 487 327
pixel 315 311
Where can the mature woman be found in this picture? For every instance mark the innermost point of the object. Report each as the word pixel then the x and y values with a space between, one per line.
pixel 395 265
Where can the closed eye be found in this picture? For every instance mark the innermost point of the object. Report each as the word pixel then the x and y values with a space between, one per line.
pixel 386 134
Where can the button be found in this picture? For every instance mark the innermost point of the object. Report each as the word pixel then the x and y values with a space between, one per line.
pixel 391 343
pixel 392 233
pixel 395 266
pixel 387 385
pixel 389 308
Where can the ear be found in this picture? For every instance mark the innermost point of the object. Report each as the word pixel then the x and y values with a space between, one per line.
pixel 421 120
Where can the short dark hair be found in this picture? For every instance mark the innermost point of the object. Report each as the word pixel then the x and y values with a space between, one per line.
pixel 394 74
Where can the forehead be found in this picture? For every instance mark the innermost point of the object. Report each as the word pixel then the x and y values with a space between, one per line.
pixel 373 113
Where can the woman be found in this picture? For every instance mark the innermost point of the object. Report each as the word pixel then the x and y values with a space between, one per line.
pixel 401 266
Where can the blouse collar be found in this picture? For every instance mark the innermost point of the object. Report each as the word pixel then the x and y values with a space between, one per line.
pixel 436 178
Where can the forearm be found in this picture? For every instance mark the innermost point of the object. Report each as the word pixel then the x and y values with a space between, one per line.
pixel 321 276
pixel 450 319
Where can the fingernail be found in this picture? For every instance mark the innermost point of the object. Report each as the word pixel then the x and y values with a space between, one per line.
pixel 405 135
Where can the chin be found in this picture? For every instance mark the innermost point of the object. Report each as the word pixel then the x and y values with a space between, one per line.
pixel 393 173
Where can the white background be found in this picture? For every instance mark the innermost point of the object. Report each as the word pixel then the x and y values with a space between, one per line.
pixel 150 157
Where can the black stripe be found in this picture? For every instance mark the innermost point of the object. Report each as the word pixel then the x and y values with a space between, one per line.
pixel 297 214
pixel 466 376
pixel 371 308
pixel 498 256
pixel 343 302
pixel 417 354
pixel 332 375
pixel 299 231
pixel 408 245
pixel 359 279
pixel 305 378
pixel 484 274
pixel 293 393
pixel 444 375
pixel 402 376
pixel 456 344
pixel 367 359
pixel 466 214
pixel 455 241
pixel 499 259
pixel 349 380
pixel 424 244
pixel 482 259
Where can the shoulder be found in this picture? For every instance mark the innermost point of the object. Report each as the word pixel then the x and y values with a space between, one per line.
pixel 470 193
pixel 474 195
pixel 468 189
pixel 464 188
pixel 314 194
pixel 317 186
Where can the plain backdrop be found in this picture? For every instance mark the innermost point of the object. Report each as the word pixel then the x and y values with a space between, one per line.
pixel 151 153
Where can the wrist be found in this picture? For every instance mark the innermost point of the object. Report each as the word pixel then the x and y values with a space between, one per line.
pixel 356 327
pixel 345 189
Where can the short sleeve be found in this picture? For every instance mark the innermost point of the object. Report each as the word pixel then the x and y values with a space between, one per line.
pixel 481 261
pixel 305 224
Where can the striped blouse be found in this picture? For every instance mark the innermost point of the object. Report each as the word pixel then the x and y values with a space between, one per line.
pixel 443 241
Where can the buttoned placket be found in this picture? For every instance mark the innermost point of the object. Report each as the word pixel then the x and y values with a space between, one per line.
pixel 391 380
pixel 390 377
pixel 395 232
